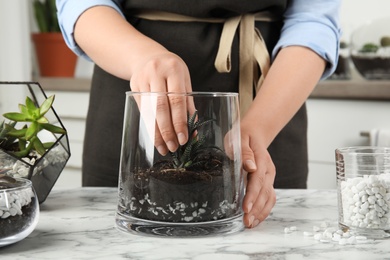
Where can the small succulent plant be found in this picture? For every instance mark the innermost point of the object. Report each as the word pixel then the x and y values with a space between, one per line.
pixel 369 47
pixel 21 142
pixel 186 155
pixel 385 41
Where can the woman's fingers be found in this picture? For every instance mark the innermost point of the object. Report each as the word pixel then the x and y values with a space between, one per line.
pixel 162 74
pixel 178 105
pixel 260 195
pixel 259 199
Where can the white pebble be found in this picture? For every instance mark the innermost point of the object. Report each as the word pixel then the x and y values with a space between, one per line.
pixel 316 229
pixel 324 224
pixel 352 240
pixel 293 228
pixel 361 238
pixel 308 234
pixel 343 241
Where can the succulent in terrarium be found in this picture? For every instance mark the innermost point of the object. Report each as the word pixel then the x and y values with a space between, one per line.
pixel 20 142
pixel 369 47
pixel 187 155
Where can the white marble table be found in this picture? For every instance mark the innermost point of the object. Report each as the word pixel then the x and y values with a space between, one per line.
pixel 79 224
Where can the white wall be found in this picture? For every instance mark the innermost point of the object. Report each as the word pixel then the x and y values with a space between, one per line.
pixel 355 13
pixel 15 62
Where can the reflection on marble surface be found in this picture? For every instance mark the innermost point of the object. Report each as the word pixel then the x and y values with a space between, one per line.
pixel 79 224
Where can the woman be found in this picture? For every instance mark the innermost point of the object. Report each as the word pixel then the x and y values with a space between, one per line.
pixel 171 45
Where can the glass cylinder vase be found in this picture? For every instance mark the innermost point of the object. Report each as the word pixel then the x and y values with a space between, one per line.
pixel 363 183
pixel 196 190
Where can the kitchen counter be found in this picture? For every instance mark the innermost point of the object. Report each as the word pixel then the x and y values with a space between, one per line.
pixel 79 224
pixel 356 88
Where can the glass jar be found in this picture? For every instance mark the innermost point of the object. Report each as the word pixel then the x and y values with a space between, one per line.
pixel 19 210
pixel 196 190
pixel 363 183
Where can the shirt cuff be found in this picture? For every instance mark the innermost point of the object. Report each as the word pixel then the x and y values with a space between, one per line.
pixel 319 37
pixel 69 11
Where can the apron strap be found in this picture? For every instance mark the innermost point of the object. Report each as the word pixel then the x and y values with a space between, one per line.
pixel 253 51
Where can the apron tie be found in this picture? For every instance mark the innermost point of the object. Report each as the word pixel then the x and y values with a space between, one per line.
pixel 253 53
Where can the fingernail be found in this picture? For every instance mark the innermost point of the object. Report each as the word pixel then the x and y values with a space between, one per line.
pixel 250 205
pixel 171 146
pixel 182 138
pixel 161 149
pixel 251 220
pixel 250 164
pixel 255 223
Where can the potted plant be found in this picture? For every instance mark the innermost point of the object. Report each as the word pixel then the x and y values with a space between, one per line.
pixel 33 142
pixel 196 190
pixel 55 59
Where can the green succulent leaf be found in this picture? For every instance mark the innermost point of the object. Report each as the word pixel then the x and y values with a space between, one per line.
pixel 23 109
pixel 33 111
pixel 46 105
pixel 21 153
pixel 22 144
pixel 32 130
pixel 38 146
pixel 48 145
pixel 43 120
pixel 53 128
pixel 24 152
pixel 186 155
pixel 18 132
pixel 18 117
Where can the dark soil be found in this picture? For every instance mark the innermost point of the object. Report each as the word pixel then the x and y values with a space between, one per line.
pixel 372 67
pixel 14 225
pixel 204 192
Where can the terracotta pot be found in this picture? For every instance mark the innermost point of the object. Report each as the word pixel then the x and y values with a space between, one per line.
pixel 55 59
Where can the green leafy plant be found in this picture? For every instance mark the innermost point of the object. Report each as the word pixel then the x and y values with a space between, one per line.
pixel 46 15
pixel 22 141
pixel 369 47
pixel 186 155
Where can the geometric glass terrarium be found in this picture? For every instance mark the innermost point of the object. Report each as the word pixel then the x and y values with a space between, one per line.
pixel 43 170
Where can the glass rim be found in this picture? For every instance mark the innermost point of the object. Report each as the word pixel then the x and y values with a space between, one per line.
pixel 189 94
pixel 363 150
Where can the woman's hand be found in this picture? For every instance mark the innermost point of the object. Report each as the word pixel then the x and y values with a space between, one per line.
pixel 123 51
pixel 166 72
pixel 260 195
